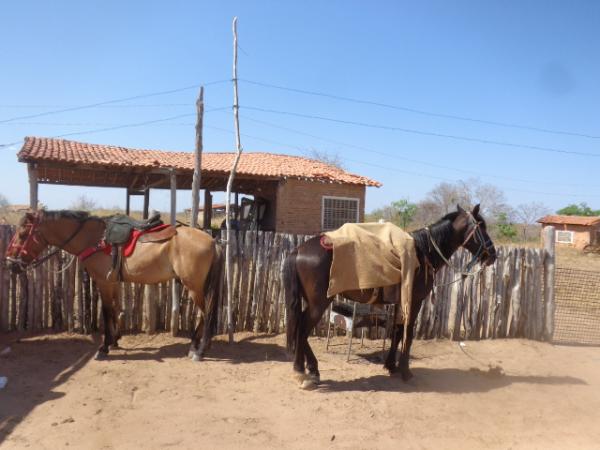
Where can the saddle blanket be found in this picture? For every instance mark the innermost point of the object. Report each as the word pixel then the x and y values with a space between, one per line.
pixel 372 255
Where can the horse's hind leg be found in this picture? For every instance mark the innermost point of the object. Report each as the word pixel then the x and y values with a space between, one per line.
pixel 311 317
pixel 198 347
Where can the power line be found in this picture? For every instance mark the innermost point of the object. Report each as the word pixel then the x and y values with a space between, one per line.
pixel 146 105
pixel 119 100
pixel 424 133
pixel 417 161
pixel 422 112
pixel 118 127
pixel 397 170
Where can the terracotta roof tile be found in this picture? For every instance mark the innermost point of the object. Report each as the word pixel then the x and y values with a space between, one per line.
pixel 260 164
pixel 570 220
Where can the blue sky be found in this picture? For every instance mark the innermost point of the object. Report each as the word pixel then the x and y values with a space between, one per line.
pixel 529 63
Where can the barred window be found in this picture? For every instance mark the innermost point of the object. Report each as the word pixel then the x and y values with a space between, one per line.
pixel 564 237
pixel 337 211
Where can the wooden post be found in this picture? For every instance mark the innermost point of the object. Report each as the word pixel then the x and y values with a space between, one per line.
pixel 175 306
pixel 207 215
pixel 197 159
pixel 146 203
pixel 127 201
pixel 33 186
pixel 228 268
pixel 150 300
pixel 549 234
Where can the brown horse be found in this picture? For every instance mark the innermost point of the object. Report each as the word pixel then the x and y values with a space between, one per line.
pixel 306 275
pixel 191 255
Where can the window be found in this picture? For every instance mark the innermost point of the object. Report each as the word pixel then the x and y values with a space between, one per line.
pixel 337 211
pixel 564 237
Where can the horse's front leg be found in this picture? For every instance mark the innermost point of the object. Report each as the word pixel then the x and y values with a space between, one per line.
pixel 405 351
pixel 396 338
pixel 109 315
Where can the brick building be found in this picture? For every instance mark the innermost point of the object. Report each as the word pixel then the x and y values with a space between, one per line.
pixel 574 231
pixel 301 195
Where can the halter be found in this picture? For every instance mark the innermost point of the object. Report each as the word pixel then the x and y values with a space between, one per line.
pixel 485 245
pixel 34 236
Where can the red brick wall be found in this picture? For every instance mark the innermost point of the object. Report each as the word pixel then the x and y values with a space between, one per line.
pixel 299 203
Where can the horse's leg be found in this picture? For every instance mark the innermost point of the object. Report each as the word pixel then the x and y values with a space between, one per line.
pixel 405 351
pixel 390 361
pixel 107 294
pixel 311 320
pixel 198 347
pixel 397 330
pixel 116 314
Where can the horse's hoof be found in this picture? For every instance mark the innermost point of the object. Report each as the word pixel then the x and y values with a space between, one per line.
pixel 196 357
pixel 308 385
pixel 391 369
pixel 299 376
pixel 100 355
pixel 406 375
pixel 191 354
pixel 316 379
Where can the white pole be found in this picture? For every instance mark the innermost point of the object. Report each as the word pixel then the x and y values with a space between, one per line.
pixel 197 160
pixel 229 186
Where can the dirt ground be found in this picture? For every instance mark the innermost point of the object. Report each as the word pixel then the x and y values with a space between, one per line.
pixel 490 394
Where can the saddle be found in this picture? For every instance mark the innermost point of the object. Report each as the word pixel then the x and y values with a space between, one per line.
pixel 119 232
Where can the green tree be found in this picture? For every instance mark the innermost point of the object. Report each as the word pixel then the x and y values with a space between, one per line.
pixel 506 228
pixel 578 210
pixel 404 211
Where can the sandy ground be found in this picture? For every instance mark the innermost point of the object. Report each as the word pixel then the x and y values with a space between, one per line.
pixel 492 394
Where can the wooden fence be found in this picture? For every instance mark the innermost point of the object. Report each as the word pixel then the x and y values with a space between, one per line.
pixel 504 300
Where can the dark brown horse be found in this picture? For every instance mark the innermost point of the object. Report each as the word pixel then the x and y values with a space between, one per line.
pixel 191 255
pixel 306 275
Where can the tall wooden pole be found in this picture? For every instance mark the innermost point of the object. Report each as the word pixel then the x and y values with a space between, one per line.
pixel 549 266
pixel 33 186
pixel 175 290
pixel 228 268
pixel 197 159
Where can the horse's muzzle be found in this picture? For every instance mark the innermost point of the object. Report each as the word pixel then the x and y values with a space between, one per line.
pixel 490 258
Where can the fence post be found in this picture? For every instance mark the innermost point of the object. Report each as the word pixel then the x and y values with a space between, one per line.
pixel 549 266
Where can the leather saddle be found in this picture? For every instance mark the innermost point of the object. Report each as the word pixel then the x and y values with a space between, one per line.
pixel 118 232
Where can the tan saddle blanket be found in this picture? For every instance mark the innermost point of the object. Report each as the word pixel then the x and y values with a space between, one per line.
pixel 372 255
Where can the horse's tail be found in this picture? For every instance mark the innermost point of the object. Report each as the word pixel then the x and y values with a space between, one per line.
pixel 211 294
pixel 293 300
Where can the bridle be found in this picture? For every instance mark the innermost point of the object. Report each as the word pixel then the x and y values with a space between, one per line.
pixel 476 234
pixel 35 236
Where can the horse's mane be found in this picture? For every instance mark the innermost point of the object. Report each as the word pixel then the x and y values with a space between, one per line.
pixel 79 216
pixel 441 231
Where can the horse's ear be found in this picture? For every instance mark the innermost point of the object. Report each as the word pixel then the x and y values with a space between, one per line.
pixel 459 208
pixel 476 210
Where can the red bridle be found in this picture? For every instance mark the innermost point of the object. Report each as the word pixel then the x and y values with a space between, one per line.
pixel 34 236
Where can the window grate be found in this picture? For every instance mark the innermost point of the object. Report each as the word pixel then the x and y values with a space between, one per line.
pixel 337 211
pixel 564 237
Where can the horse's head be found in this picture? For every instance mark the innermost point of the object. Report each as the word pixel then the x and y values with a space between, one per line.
pixel 473 231
pixel 27 243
